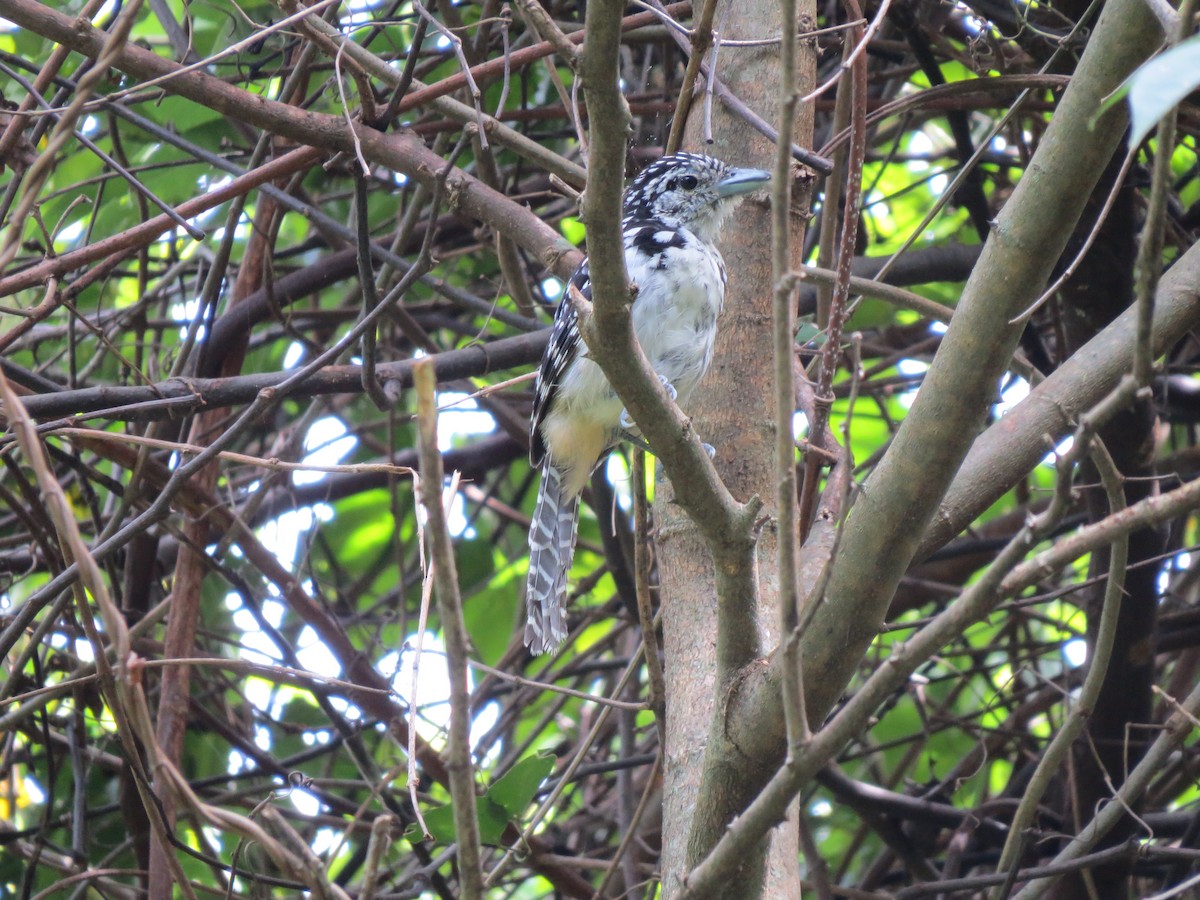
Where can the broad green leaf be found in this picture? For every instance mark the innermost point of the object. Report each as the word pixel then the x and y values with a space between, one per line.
pixel 515 788
pixel 439 821
pixel 493 603
pixel 362 524
pixel 1159 85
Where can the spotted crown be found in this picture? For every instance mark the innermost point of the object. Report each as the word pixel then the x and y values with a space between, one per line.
pixel 681 191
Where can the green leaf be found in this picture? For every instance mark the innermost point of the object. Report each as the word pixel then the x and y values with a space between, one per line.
pixel 439 821
pixel 190 119
pixel 495 602
pixel 362 524
pixel 573 230
pixel 504 801
pixel 515 788
pixel 492 820
pixel 1160 84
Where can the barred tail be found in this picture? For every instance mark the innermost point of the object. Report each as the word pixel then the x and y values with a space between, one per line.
pixel 551 546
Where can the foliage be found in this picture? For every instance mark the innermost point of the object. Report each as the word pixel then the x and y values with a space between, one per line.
pixel 295 541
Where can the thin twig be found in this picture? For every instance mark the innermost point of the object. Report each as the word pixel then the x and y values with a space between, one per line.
pixel 784 316
pixel 473 88
pixel 454 632
pixel 645 604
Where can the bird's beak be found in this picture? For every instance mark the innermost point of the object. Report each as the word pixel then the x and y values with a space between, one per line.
pixel 742 181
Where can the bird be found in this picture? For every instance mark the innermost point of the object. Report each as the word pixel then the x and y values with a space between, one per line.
pixel 672 217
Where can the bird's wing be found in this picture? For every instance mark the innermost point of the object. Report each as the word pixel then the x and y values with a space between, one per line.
pixel 565 344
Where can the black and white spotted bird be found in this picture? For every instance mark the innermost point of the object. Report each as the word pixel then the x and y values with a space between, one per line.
pixel 672 217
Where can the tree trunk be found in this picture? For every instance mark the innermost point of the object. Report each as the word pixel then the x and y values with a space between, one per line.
pixel 733 413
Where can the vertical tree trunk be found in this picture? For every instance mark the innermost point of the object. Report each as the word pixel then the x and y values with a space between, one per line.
pixel 733 412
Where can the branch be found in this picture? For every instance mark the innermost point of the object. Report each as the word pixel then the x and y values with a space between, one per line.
pixel 177 396
pixel 951 886
pixel 902 494
pixel 1054 758
pixel 1002 579
pixel 376 699
pixel 950 262
pixel 445 575
pixel 113 249
pixel 1009 449
pixel 784 330
pixel 1172 736
pixel 607 325
pixel 403 153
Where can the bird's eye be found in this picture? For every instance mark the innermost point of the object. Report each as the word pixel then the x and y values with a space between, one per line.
pixel 689 182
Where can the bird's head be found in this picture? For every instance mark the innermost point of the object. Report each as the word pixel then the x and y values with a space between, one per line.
pixel 692 191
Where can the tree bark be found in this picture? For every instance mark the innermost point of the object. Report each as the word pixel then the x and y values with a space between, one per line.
pixel 733 413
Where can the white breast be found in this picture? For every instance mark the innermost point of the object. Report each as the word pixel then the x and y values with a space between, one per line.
pixel 675 313
pixel 680 294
